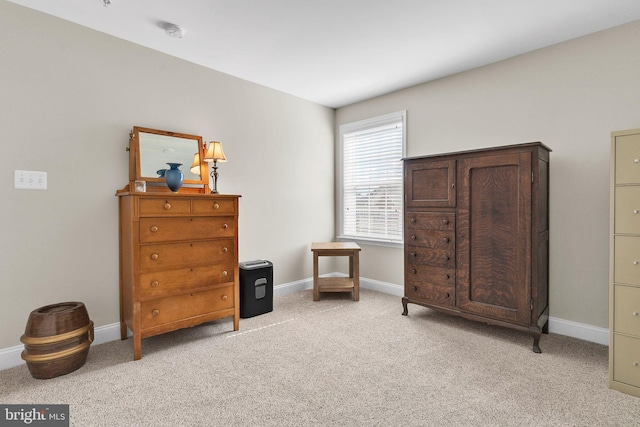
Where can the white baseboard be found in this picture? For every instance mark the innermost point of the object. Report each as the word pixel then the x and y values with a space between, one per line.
pixel 10 357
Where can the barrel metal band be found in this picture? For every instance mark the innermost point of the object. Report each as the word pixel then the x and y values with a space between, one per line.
pixel 39 358
pixel 57 338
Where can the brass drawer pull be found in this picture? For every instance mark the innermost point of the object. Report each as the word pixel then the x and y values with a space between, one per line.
pixel 167 206
pixel 155 312
pixel 224 297
pixel 154 228
pixel 225 226
pixel 225 249
pixel 216 206
pixel 224 273
pixel 154 256
pixel 154 284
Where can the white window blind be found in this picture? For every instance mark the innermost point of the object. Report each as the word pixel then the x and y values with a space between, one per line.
pixel 371 179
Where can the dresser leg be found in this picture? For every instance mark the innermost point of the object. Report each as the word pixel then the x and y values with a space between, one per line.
pixel 137 344
pixel 536 340
pixel 405 312
pixel 123 331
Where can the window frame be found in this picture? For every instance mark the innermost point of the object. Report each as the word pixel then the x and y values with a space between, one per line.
pixel 398 116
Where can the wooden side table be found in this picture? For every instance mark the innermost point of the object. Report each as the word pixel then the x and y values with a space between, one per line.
pixel 337 284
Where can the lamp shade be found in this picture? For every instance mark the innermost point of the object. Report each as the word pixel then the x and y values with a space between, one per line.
pixel 214 152
pixel 195 166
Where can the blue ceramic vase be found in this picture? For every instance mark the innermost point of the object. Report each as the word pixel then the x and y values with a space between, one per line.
pixel 174 177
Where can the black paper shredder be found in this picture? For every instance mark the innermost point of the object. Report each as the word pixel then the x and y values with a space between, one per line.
pixel 256 288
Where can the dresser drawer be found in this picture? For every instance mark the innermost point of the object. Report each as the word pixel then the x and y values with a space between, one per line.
pixel 169 282
pixel 187 228
pixel 431 221
pixel 176 255
pixel 626 360
pixel 627 216
pixel 628 159
pixel 440 295
pixel 430 256
pixel 431 239
pixel 627 313
pixel 163 206
pixel 430 275
pixel 215 206
pixel 166 310
pixel 627 260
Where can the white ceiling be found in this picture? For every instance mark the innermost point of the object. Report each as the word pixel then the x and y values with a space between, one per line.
pixel 337 52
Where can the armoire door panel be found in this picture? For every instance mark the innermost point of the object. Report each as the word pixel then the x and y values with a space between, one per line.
pixel 494 236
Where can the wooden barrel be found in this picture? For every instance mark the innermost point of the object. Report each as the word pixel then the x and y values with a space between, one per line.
pixel 57 339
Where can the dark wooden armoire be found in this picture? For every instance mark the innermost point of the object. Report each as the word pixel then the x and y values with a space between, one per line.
pixel 476 235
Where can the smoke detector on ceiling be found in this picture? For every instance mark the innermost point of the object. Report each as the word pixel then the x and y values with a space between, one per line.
pixel 173 31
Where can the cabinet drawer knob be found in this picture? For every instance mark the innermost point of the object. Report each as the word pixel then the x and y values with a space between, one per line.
pixel 635 363
pixel 167 206
pixel 635 313
pixel 154 256
pixel 216 206
pixel 155 312
pixel 447 277
pixel 636 211
pixel 154 228
pixel 224 297
pixel 414 271
pixel 445 221
pixel 412 220
pixel 636 160
pixel 225 249
pixel 413 254
pixel 447 258
pixel 635 262
pixel 154 284
pixel 413 237
pixel 224 273
pixel 415 288
pixel 447 295
pixel 225 226
pixel 446 240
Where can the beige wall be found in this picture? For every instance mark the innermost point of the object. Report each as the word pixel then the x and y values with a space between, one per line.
pixel 570 97
pixel 70 96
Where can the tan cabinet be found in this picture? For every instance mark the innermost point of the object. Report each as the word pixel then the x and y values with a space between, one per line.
pixel 624 297
pixel 477 236
pixel 178 262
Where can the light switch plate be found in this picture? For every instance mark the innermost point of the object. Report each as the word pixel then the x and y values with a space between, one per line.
pixel 30 180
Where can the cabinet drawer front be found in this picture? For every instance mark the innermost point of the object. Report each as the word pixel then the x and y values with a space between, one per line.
pixel 430 256
pixel 440 295
pixel 162 206
pixel 627 312
pixel 169 282
pixel 628 159
pixel 431 221
pixel 171 309
pixel 176 255
pixel 188 228
pixel 627 260
pixel 627 216
pixel 430 275
pixel 431 239
pixel 215 206
pixel 626 360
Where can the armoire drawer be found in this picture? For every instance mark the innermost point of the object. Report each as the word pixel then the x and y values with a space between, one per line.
pixel 626 360
pixel 440 295
pixel 158 229
pixel 431 239
pixel 431 221
pixel 162 283
pixel 176 255
pixel 430 275
pixel 430 256
pixel 627 206
pixel 164 206
pixel 166 310
pixel 627 313
pixel 627 260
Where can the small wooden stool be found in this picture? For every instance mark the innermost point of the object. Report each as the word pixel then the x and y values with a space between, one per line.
pixel 337 284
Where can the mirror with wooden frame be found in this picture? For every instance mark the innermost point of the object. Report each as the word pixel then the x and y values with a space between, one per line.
pixel 150 151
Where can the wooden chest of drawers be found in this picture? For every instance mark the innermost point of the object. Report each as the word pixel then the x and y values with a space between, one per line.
pixel 624 299
pixel 178 262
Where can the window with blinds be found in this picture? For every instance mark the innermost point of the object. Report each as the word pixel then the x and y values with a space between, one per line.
pixel 371 179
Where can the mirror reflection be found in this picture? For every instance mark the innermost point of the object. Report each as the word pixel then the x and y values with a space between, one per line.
pixel 158 150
